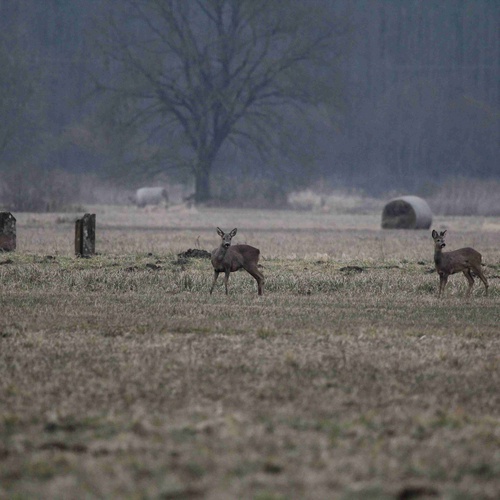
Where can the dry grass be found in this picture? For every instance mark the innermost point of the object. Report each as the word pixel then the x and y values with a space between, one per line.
pixel 467 196
pixel 336 202
pixel 120 376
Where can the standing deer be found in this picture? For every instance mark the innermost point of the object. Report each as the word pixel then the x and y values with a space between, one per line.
pixel 227 259
pixel 465 260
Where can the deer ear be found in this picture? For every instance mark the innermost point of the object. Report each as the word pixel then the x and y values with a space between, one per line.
pixel 443 232
pixel 434 234
pixel 233 232
pixel 220 232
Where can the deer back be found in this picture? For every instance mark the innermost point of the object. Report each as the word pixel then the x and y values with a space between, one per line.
pixel 235 257
pixel 459 260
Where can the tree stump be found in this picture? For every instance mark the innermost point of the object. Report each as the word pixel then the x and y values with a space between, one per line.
pixel 7 232
pixel 85 236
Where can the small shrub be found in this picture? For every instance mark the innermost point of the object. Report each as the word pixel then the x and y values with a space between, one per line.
pixel 339 202
pixel 306 200
pixel 28 188
pixel 247 192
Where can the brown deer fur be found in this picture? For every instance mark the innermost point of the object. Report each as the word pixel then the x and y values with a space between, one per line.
pixel 228 258
pixel 463 260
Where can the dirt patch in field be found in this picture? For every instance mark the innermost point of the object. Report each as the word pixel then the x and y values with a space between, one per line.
pixel 194 253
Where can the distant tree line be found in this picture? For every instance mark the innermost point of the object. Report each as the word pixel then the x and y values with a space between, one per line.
pixel 377 94
pixel 423 99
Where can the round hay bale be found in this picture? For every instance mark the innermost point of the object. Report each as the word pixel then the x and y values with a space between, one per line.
pixel 407 212
pixel 150 196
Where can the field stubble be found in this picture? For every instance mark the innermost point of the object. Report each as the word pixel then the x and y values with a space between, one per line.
pixel 120 376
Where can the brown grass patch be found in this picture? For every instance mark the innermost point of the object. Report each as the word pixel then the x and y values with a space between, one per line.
pixel 120 376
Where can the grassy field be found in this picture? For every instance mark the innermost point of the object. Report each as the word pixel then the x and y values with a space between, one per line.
pixel 121 377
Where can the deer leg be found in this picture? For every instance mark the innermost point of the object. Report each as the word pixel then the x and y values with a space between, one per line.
pixel 443 279
pixel 226 278
pixel 216 275
pixel 259 277
pixel 483 278
pixel 470 279
pixel 260 285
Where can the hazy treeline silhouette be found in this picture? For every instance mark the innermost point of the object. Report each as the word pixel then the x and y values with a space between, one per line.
pixel 406 94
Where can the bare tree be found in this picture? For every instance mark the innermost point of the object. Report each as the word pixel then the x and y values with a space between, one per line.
pixel 200 74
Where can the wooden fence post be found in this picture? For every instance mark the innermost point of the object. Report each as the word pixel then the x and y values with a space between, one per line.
pixel 85 236
pixel 7 232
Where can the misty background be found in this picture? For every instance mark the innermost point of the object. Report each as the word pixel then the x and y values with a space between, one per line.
pixel 245 101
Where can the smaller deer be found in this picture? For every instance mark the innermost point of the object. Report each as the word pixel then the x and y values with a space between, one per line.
pixel 227 259
pixel 465 260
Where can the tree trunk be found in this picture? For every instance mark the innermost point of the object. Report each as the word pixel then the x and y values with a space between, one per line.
pixel 7 232
pixel 85 236
pixel 202 182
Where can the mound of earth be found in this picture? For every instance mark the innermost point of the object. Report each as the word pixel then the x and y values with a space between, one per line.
pixel 195 253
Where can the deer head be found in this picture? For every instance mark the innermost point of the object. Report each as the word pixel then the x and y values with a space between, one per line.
pixel 226 237
pixel 439 238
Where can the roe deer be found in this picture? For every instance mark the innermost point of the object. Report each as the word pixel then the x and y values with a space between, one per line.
pixel 465 260
pixel 227 259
